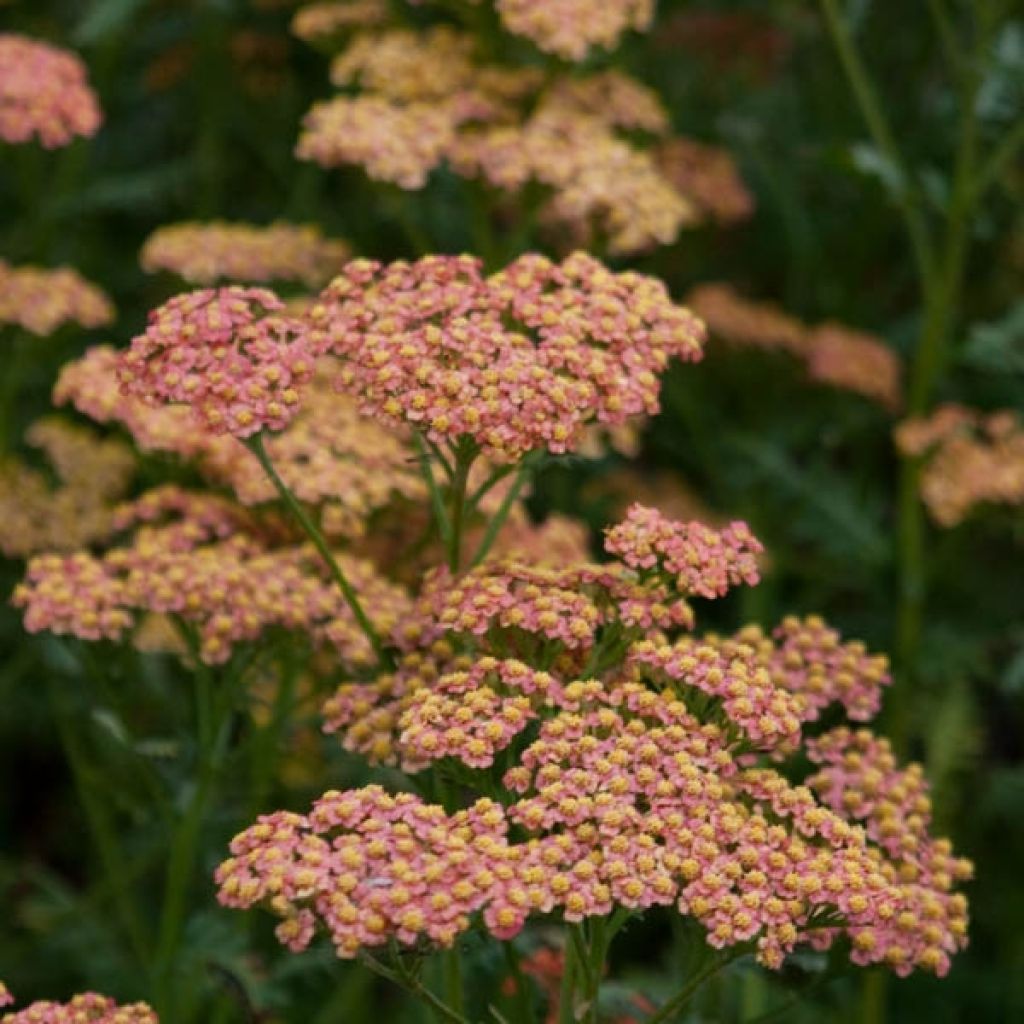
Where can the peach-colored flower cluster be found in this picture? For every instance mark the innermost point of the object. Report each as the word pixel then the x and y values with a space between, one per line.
pixel 855 361
pixel 205 253
pixel 972 459
pixel 41 300
pixel 631 779
pixel 426 98
pixel 832 354
pixel 6 999
pixel 230 354
pixel 88 1008
pixel 739 321
pixel 704 561
pixel 707 175
pixel 571 28
pixel 93 474
pixel 517 361
pixel 320 21
pixel 329 456
pixel 44 94
pixel 204 561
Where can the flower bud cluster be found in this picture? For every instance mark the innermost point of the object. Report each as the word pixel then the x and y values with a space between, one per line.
pixel 228 353
pixel 516 361
pixel 44 94
pixel 855 361
pixel 973 459
pixel 372 867
pixel 205 253
pixel 326 20
pixel 571 28
pixel 88 1008
pixel 708 176
pixel 201 560
pixel 832 354
pixel 704 561
pixel 41 301
pixel 93 474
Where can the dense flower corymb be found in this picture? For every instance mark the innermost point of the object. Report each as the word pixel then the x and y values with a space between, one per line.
pixel 570 28
pixel 44 94
pixel 516 361
pixel 41 300
pixel 205 253
pixel 230 353
pixel 855 361
pixel 88 1008
pixel 973 459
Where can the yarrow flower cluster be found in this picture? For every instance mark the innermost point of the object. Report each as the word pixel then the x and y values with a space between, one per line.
pixel 230 353
pixel 832 354
pixel 972 459
pixel 571 28
pixel 634 781
pixel 320 21
pixel 206 253
pixel 44 94
pixel 40 300
pixel 426 98
pixel 204 561
pixel 93 473
pixel 88 1008
pixel 707 175
pixel 516 361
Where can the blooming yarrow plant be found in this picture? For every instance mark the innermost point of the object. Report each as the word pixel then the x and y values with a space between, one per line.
pixel 44 94
pixel 41 300
pixel 607 762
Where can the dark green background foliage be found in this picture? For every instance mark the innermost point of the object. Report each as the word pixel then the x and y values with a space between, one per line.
pixel 812 470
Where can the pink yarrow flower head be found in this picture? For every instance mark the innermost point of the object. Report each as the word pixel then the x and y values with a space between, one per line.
pixel 44 94
pixel 229 353
pixel 518 361
pixel 705 561
pixel 88 1008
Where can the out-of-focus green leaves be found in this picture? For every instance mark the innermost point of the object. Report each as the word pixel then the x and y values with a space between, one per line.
pixel 997 347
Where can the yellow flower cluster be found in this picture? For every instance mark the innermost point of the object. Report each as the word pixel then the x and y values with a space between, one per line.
pixel 324 21
pixel 40 300
pixel 93 475
pixel 973 459
pixel 205 253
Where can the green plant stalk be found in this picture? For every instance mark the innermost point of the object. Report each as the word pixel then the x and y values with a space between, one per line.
pixel 256 446
pixel 465 455
pixel 523 1002
pixel 452 971
pixel 413 985
pixel 104 836
pixel 567 991
pixel 524 472
pixel 211 720
pixel 671 1009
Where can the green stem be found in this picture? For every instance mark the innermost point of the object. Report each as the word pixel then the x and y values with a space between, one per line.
pixel 212 718
pixel 526 469
pixel 522 995
pixel 464 458
pixel 567 992
pixel 104 835
pixel 256 446
pixel 444 526
pixel 999 158
pixel 452 970
pixel 416 987
pixel 882 135
pixel 679 1001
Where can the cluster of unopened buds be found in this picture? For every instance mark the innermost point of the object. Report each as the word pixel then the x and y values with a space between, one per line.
pixel 622 763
